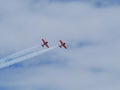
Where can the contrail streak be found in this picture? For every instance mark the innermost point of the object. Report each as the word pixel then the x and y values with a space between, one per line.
pixel 26 57
pixel 19 54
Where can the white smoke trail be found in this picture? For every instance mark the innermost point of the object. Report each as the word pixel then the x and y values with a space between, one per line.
pixel 19 54
pixel 23 58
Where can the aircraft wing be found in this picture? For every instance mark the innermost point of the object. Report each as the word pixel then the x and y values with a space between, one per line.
pixel 47 45
pixel 61 42
pixel 65 46
pixel 43 40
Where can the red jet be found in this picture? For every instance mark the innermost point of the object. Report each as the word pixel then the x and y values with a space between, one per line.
pixel 45 43
pixel 62 44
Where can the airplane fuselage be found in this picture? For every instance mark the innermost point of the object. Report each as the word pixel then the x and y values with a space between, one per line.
pixel 62 45
pixel 44 44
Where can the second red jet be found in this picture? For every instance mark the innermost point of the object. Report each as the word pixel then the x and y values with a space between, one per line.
pixel 62 44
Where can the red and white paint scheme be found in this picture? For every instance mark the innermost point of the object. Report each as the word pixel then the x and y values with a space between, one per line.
pixel 62 44
pixel 45 43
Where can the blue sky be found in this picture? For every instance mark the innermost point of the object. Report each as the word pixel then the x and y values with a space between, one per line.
pixel 90 29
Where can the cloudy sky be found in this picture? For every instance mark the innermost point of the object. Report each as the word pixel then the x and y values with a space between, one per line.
pixel 91 29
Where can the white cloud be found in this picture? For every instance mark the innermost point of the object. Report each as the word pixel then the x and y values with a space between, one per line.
pixel 23 24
